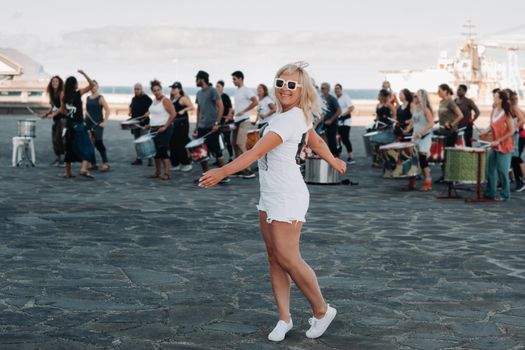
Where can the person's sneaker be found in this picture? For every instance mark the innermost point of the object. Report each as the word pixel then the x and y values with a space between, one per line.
pixel 248 175
pixel 225 180
pixel 318 327
pixel 137 162
pixel 350 161
pixel 520 188
pixel 238 174
pixel 54 163
pixel 186 168
pixel 280 330
pixel 61 164
pixel 176 168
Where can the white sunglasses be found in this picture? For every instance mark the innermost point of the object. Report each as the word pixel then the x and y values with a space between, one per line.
pixel 290 84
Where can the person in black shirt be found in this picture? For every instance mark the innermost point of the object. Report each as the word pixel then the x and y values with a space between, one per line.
pixel 227 117
pixel 138 107
pixel 78 145
pixel 54 90
pixel 179 157
pixel 403 115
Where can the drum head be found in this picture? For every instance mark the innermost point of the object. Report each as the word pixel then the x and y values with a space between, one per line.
pixel 371 133
pixel 143 138
pixel 130 122
pixel 195 143
pixel 398 145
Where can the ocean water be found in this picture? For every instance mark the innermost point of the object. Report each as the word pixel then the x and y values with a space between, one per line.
pixel 356 94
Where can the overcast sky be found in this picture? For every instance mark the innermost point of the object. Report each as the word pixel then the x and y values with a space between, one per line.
pixel 120 42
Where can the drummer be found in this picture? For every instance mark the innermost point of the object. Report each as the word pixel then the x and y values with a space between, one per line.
pixel 209 114
pixel 385 110
pixel 138 107
pixel 449 117
pixel 161 114
pixel 421 124
pixel 97 114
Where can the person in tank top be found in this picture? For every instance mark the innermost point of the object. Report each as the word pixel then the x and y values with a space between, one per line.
pixel 97 114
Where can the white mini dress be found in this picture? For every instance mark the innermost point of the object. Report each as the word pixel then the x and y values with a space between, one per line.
pixel 284 195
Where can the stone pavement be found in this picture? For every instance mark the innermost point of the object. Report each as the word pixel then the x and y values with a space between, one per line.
pixel 125 262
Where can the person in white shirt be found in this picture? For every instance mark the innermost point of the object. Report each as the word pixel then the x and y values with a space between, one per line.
pixel 245 101
pixel 345 120
pixel 284 196
pixel 266 106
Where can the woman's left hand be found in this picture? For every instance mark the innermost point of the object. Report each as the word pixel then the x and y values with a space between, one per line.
pixel 495 143
pixel 211 178
pixel 340 166
pixel 102 125
pixel 161 129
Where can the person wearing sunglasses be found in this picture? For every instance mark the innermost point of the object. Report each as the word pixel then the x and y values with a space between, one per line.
pixel 284 197
pixel 332 112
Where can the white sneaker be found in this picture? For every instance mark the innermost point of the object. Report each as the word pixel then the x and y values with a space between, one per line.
pixel 186 168
pixel 280 330
pixel 318 327
pixel 176 168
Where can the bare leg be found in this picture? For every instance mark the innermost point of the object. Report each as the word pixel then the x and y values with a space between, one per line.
pixel 281 282
pixel 166 163
pixel 285 241
pixel 158 165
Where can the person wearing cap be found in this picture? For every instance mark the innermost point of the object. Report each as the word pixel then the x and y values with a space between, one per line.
pixel 209 114
pixel 245 101
pixel 179 157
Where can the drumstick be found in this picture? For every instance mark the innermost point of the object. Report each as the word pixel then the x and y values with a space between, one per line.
pixel 35 113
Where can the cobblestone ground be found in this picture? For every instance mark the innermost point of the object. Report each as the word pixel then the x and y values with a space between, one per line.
pixel 125 262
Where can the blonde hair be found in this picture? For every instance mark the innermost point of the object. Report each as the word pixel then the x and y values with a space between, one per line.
pixel 424 100
pixel 310 101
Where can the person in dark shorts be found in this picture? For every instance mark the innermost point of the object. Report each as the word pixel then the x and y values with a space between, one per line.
pixel 209 113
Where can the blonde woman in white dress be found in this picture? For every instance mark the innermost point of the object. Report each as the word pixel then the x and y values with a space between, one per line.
pixel 284 196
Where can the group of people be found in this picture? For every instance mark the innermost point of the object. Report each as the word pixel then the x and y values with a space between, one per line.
pixel 412 118
pixel 76 134
pixel 223 126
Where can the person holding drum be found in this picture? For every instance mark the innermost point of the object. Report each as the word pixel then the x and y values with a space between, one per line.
pixel 227 118
pixel 403 114
pixel 78 145
pixel 385 110
pixel 449 117
pixel 138 108
pixel 97 114
pixel 161 114
pixel 421 124
pixel 209 115
pixel 54 90
pixel 502 147
pixel 266 106
pixel 467 107
pixel 284 196
pixel 181 128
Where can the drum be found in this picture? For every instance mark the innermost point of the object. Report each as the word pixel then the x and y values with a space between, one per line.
pixel 400 160
pixel 145 147
pixel 437 149
pixel 198 149
pixel 130 124
pixel 26 128
pixel 318 171
pixel 252 138
pixel 377 137
pixel 460 140
pixel 465 164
